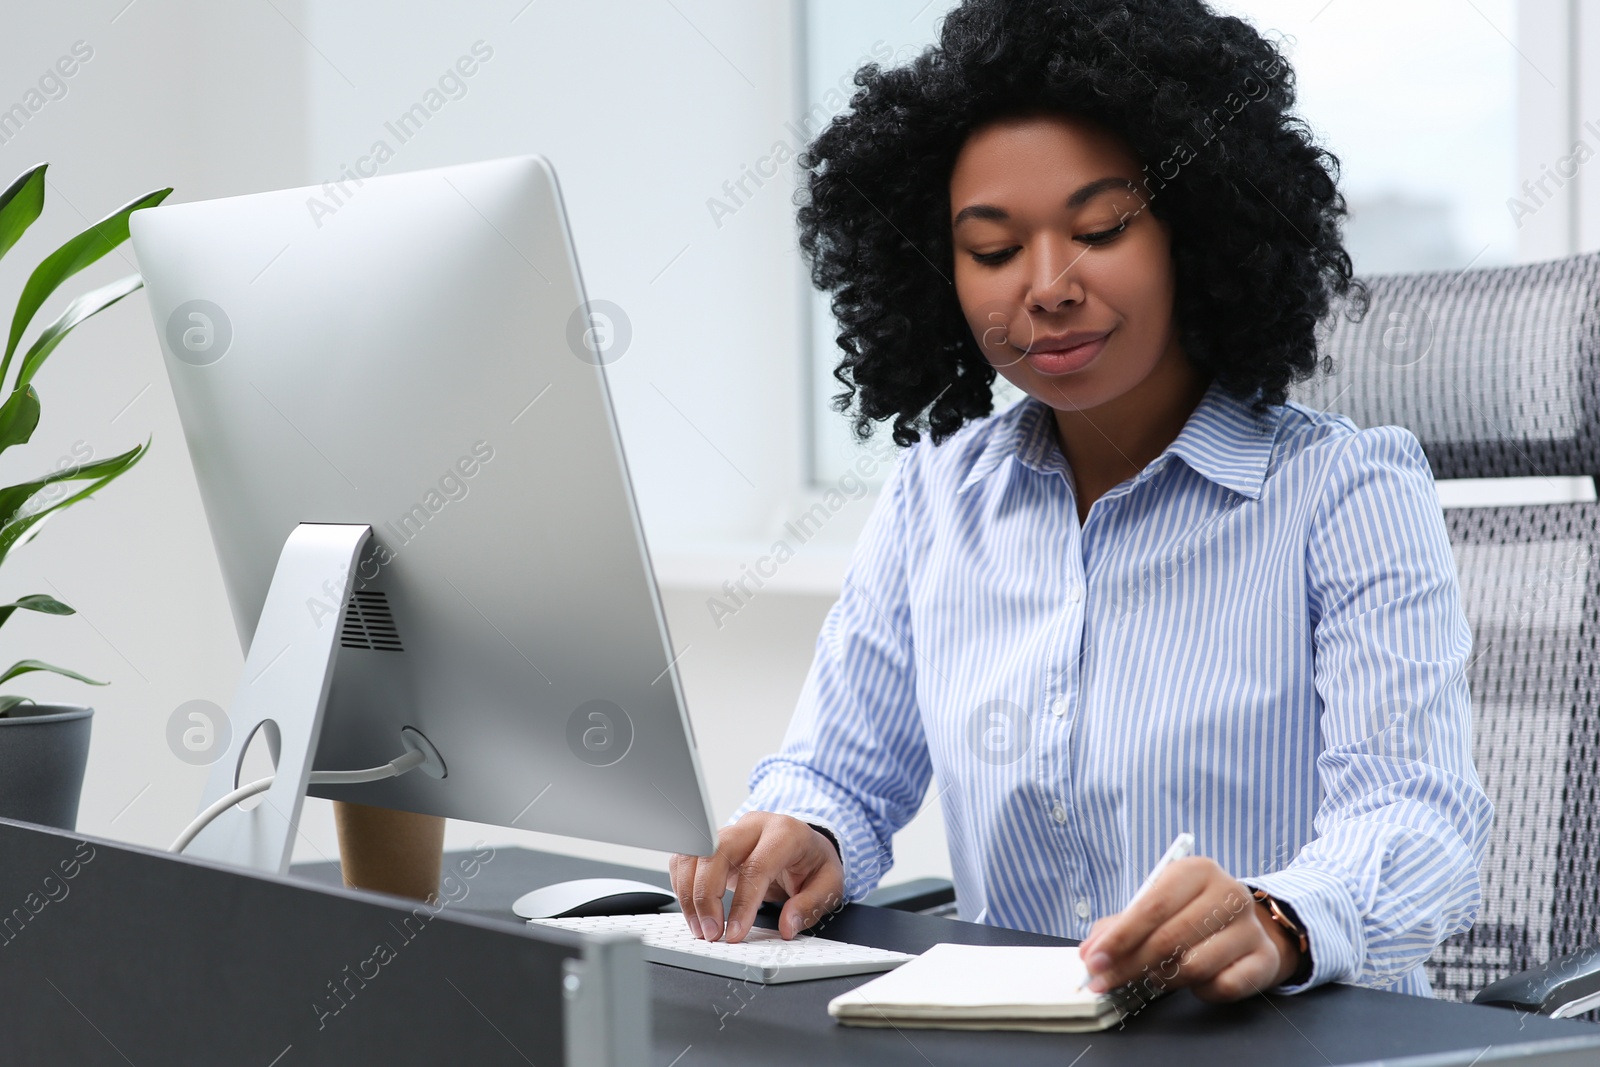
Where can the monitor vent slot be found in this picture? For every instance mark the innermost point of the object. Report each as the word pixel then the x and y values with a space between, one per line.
pixel 369 624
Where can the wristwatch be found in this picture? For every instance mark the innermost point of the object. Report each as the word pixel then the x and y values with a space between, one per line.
pixel 1280 914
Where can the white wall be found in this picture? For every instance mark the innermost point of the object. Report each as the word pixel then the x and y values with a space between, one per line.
pixel 646 110
pixel 211 101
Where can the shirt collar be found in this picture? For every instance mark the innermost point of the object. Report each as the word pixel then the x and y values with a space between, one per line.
pixel 1223 441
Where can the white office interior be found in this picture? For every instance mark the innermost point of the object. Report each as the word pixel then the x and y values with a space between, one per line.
pixel 672 124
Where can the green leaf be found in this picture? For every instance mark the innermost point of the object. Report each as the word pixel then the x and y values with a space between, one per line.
pixel 78 253
pixel 13 497
pixel 42 602
pixel 14 523
pixel 90 303
pixel 8 703
pixel 18 417
pixel 48 605
pixel 20 205
pixel 24 666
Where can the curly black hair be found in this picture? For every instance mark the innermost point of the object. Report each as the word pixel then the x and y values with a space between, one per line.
pixel 1203 100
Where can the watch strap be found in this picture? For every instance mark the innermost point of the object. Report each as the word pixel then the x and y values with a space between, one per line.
pixel 1280 913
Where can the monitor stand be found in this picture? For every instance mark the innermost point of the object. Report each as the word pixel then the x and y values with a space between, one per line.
pixel 283 693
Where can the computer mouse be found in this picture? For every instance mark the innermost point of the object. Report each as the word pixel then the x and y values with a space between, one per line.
pixel 592 896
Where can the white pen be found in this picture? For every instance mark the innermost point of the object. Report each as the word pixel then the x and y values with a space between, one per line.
pixel 1182 846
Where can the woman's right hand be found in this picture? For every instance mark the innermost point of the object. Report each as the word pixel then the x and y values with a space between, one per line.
pixel 762 857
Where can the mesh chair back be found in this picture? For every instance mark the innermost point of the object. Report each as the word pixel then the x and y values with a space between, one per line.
pixel 1529 580
pixel 1497 372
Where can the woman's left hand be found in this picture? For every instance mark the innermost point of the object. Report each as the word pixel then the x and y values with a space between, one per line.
pixel 1197 926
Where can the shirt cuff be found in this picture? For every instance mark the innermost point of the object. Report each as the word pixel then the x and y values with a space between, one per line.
pixel 1322 903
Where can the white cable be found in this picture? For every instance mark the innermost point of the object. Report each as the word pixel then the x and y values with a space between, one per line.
pixel 395 767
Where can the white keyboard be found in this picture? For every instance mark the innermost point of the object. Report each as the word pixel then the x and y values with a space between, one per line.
pixel 763 956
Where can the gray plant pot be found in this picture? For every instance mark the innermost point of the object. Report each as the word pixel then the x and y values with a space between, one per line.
pixel 43 751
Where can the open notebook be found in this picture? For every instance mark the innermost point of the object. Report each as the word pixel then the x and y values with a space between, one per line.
pixel 981 987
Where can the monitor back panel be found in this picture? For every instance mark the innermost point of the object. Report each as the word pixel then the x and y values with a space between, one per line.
pixel 418 360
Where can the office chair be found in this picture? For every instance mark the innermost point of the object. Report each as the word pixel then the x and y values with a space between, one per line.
pixel 1497 372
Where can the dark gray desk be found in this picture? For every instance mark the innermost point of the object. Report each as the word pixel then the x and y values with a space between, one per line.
pixel 114 955
pixel 703 1020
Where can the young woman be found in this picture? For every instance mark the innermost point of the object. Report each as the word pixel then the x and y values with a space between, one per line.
pixel 1152 596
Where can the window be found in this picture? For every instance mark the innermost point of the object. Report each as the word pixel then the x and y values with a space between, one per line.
pixel 841 36
pixel 1418 101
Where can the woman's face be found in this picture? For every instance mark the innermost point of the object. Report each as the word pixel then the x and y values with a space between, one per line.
pixel 1063 274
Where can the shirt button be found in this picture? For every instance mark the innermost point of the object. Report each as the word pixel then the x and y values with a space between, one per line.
pixel 1074 595
pixel 1059 812
pixel 1059 708
pixel 1082 909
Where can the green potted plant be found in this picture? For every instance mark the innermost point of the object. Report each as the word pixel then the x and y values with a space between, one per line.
pixel 44 747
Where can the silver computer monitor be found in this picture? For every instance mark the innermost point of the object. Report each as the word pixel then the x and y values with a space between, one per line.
pixel 415 353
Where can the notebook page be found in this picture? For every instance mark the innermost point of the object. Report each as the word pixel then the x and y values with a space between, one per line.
pixel 980 981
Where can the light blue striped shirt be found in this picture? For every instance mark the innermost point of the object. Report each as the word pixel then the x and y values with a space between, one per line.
pixel 1259 638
